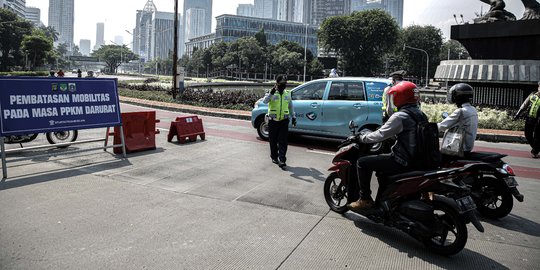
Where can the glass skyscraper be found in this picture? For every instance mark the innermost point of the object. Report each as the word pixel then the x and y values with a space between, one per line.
pixel 61 17
pixel 205 5
pixel 393 7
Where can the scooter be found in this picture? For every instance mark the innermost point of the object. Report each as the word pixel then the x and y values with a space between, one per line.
pixel 52 137
pixel 431 206
pixel 493 186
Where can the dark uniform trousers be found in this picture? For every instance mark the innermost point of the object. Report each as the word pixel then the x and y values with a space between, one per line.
pixel 278 138
pixel 532 133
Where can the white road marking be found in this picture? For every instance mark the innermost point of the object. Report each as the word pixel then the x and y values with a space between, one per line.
pixel 321 152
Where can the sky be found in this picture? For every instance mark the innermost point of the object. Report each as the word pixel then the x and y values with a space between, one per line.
pixel 119 15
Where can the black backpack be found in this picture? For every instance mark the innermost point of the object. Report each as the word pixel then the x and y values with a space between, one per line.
pixel 428 154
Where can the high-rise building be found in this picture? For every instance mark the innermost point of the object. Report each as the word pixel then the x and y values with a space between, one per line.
pixel 119 40
pixel 393 7
pixel 17 6
pixel 206 5
pixel 162 35
pixel 195 22
pixel 245 10
pixel 230 28
pixel 61 17
pixel 84 46
pixel 142 31
pixel 323 9
pixel 100 35
pixel 266 9
pixel 34 15
pixel 292 10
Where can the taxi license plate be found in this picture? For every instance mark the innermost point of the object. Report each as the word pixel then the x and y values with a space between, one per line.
pixel 510 181
pixel 465 204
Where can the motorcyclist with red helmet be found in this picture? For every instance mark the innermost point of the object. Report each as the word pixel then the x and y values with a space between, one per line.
pixel 405 97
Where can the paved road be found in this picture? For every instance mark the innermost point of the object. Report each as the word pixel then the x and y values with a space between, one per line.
pixel 221 204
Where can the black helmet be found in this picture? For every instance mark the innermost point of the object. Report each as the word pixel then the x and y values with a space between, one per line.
pixel 460 93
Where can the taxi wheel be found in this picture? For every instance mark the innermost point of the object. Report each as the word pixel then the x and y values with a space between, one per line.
pixel 262 129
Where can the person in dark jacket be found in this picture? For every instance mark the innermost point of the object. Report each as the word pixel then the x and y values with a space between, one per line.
pixel 405 96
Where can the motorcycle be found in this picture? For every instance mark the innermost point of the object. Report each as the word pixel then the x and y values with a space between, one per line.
pixel 52 137
pixel 431 206
pixel 493 185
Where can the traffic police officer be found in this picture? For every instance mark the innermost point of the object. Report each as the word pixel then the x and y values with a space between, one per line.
pixel 388 108
pixel 532 124
pixel 280 110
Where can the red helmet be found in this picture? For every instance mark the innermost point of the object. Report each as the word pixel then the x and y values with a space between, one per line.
pixel 404 93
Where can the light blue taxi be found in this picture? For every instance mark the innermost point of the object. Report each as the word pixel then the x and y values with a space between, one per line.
pixel 324 107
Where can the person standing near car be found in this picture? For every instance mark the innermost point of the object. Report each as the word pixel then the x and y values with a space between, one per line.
pixel 280 111
pixel 388 108
pixel 532 122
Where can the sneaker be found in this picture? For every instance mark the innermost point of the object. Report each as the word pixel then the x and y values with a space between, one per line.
pixel 361 204
pixel 281 164
pixel 534 154
pixel 275 161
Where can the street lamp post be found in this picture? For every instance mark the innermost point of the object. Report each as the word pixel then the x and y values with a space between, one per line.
pixel 175 53
pixel 427 61
pixel 305 54
pixel 133 42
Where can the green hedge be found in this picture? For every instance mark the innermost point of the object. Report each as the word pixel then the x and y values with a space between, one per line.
pixel 25 73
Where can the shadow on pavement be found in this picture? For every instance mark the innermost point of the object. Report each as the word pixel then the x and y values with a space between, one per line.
pixel 516 223
pixel 306 174
pixel 406 244
pixel 41 177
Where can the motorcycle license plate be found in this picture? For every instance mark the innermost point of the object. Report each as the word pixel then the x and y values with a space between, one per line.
pixel 465 204
pixel 510 181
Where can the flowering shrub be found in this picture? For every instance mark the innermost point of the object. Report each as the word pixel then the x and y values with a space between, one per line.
pixel 488 118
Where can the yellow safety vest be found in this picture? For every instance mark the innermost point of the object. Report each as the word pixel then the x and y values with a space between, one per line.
pixel 278 107
pixel 535 104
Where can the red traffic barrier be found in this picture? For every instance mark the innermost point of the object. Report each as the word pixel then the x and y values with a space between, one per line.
pixel 186 127
pixel 139 131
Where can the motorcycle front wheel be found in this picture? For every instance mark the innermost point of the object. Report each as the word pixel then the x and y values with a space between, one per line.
pixel 493 199
pixel 335 193
pixel 449 231
pixel 62 137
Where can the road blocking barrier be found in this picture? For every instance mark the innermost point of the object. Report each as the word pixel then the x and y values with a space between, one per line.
pixel 186 127
pixel 139 131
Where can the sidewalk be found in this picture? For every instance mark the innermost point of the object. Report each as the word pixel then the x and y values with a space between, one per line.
pixel 489 135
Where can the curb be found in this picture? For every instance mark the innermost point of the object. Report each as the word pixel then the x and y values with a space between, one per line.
pixel 488 137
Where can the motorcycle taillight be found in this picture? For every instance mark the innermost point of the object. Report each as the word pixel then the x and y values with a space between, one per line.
pixel 508 169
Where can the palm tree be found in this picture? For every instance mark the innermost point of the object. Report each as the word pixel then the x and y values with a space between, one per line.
pixel 50 32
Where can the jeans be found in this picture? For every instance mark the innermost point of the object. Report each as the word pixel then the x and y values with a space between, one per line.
pixel 278 132
pixel 380 163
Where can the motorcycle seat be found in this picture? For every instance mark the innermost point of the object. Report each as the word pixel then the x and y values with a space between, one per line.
pixel 388 178
pixel 485 156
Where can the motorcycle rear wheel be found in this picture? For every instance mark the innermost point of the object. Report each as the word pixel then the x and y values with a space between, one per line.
pixel 62 137
pixel 335 193
pixel 496 200
pixel 449 231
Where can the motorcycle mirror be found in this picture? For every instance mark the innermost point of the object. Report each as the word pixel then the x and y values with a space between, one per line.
pixel 444 115
pixel 352 126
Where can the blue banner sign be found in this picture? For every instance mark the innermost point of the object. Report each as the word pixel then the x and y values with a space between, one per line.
pixel 36 105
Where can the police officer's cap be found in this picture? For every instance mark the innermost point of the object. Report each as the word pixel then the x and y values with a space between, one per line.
pixel 399 73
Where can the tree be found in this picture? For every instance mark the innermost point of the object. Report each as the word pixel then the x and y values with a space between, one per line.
pixel 76 51
pixel 37 46
pixel 261 38
pixel 457 51
pixel 427 38
pixel 114 55
pixel 218 51
pixel 360 39
pixel 12 31
pixel 287 62
pixel 315 68
pixel 50 32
